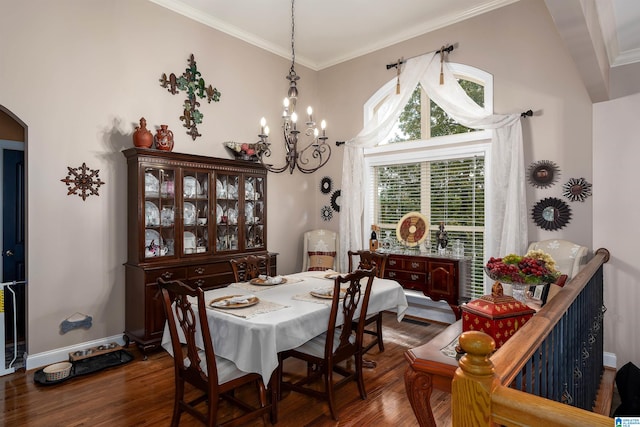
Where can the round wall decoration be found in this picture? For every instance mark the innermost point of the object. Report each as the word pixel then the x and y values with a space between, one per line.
pixel 551 213
pixel 326 185
pixel 326 213
pixel 576 189
pixel 543 174
pixel 412 228
pixel 335 203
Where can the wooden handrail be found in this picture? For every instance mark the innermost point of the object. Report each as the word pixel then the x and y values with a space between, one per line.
pixel 511 357
pixel 481 395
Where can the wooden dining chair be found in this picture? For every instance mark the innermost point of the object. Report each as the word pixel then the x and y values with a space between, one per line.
pixel 368 260
pixel 325 352
pixel 249 267
pixel 214 376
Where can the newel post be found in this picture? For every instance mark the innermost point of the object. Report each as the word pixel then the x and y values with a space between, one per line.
pixel 473 380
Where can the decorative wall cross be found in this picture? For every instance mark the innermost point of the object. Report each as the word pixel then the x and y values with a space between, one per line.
pixel 191 82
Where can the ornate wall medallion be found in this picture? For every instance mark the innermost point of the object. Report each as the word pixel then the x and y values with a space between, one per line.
pixel 576 189
pixel 543 174
pixel 412 229
pixel 326 213
pixel 335 200
pixel 326 185
pixel 551 213
pixel 83 181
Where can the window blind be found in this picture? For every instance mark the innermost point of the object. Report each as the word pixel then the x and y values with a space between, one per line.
pixel 449 191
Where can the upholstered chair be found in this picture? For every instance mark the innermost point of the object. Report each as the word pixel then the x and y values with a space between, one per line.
pixel 320 250
pixel 569 258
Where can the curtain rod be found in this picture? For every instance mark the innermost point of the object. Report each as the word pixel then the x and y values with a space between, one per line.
pixel 525 114
pixel 447 49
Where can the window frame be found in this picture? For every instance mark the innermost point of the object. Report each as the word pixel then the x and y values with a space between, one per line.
pixel 454 146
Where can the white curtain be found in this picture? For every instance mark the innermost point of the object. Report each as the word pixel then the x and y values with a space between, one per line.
pixel 506 226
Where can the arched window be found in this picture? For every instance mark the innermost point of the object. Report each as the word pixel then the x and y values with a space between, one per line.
pixel 433 165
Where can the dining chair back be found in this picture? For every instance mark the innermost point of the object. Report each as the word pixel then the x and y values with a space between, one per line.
pixel 325 352
pixel 195 362
pixel 320 250
pixel 249 267
pixel 368 260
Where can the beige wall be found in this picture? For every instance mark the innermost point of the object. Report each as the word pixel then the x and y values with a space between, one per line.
pixel 616 207
pixel 80 74
pixel 519 45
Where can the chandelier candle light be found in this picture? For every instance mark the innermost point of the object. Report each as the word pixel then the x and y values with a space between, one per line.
pixel 310 157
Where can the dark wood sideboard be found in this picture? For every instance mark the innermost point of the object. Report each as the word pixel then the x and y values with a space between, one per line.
pixel 440 278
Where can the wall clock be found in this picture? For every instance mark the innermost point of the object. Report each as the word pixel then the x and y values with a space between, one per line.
pixel 543 174
pixel 551 213
pixel 576 189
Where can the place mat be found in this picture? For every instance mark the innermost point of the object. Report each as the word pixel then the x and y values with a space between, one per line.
pixel 310 298
pixel 327 274
pixel 449 350
pixel 259 288
pixel 248 312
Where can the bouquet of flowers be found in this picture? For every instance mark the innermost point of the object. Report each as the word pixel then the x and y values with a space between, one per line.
pixel 536 267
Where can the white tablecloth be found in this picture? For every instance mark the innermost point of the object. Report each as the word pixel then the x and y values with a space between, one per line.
pixel 253 344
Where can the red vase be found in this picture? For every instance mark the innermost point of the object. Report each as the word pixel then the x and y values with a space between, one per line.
pixel 164 138
pixel 142 138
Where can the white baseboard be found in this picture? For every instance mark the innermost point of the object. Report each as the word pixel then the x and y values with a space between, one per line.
pixel 609 360
pixel 34 361
pixel 422 307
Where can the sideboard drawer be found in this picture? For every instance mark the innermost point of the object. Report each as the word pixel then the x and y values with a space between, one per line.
pixel 208 269
pixel 211 282
pixel 408 279
pixel 415 265
pixel 177 273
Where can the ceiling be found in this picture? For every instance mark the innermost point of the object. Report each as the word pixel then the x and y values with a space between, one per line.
pixel 329 32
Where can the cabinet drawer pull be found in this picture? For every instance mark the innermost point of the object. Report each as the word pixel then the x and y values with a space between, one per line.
pixel 415 265
pixel 167 275
pixel 199 282
pixel 392 274
pixel 414 277
pixel 199 270
pixel 392 262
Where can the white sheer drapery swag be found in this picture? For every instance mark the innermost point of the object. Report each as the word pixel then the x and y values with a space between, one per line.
pixel 506 229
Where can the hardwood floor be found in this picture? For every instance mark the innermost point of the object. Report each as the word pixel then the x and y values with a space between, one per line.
pixel 140 393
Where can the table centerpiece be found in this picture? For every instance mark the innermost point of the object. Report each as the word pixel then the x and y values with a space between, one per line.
pixel 535 268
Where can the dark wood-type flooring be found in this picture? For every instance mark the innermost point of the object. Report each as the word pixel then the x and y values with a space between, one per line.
pixel 140 393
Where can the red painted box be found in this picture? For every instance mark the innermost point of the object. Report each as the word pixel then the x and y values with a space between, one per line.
pixel 497 315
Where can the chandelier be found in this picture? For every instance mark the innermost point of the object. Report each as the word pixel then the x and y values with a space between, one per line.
pixel 305 149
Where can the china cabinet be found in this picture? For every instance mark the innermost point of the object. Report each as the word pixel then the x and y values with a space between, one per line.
pixel 438 277
pixel 187 216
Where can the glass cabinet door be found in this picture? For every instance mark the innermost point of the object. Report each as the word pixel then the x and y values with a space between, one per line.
pixel 195 215
pixel 254 212
pixel 227 210
pixel 159 212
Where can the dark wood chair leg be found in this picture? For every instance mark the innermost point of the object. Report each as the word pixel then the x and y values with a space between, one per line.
pixel 379 331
